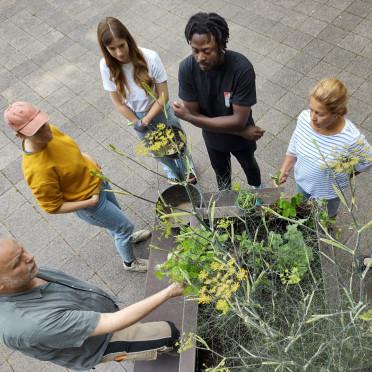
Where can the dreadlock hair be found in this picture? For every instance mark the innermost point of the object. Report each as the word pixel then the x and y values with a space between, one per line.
pixel 109 29
pixel 210 24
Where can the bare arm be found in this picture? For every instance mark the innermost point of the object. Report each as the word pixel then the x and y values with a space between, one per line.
pixel 68 207
pixel 157 106
pixel 122 107
pixel 112 322
pixel 230 124
pixel 287 166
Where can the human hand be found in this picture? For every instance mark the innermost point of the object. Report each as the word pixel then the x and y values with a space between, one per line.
pixel 175 289
pixel 94 200
pixel 252 133
pixel 140 126
pixel 283 176
pixel 181 111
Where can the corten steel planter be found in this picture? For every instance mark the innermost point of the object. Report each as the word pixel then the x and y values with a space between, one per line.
pixel 184 313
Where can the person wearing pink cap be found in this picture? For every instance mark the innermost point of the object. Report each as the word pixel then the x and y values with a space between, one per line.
pixel 60 178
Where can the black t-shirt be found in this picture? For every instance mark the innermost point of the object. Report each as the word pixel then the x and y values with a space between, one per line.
pixel 232 82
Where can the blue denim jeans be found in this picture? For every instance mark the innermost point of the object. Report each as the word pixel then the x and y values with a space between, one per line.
pixel 107 213
pixel 332 204
pixel 173 168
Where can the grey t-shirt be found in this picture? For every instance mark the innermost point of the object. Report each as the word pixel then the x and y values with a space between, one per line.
pixel 53 322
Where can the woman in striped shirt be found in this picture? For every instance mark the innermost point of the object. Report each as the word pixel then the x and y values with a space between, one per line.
pixel 326 148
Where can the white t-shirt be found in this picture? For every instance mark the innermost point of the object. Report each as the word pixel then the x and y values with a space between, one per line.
pixel 136 99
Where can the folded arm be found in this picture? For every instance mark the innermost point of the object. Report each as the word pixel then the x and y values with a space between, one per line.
pixel 231 124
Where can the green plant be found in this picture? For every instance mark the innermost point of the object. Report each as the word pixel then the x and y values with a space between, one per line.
pixel 246 199
pixel 276 178
pixel 288 207
pixel 292 255
pixel 193 254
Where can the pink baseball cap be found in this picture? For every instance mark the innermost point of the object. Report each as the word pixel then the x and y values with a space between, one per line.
pixel 25 118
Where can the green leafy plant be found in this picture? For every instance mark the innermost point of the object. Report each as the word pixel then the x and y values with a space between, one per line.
pixel 291 254
pixel 276 178
pixel 246 199
pixel 194 253
pixel 288 207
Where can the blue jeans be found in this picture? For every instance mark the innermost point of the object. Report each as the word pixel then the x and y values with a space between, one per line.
pixel 107 213
pixel 174 169
pixel 332 204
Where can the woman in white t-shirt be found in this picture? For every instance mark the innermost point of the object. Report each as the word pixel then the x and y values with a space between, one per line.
pixel 124 68
pixel 326 148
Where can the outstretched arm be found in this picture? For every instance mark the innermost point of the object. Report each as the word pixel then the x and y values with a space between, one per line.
pixel 287 166
pixel 112 322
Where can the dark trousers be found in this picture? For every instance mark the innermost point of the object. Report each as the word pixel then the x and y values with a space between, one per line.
pixel 221 164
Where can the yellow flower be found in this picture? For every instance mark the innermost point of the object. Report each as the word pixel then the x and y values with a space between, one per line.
pixel 241 275
pixel 235 287
pixel 223 306
pixel 204 299
pixel 203 275
pixel 216 266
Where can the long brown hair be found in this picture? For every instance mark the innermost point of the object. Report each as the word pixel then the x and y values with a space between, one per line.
pixel 109 29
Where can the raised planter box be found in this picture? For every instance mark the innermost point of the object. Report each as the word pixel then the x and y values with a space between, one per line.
pixel 184 313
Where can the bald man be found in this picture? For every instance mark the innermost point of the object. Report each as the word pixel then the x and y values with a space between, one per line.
pixel 51 316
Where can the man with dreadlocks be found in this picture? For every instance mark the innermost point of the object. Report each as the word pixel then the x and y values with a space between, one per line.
pixel 217 87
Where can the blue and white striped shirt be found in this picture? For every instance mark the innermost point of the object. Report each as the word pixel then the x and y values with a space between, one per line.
pixel 314 151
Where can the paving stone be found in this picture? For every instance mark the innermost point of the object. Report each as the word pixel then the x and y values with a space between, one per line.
pixel 352 81
pixel 360 8
pixel 13 171
pixel 42 83
pixel 332 34
pixel 19 91
pixel 364 92
pixel 358 110
pixel 339 57
pixel 78 268
pixel 291 104
pixel 354 43
pixel 347 21
pixel 9 152
pixel 73 107
pixel 5 184
pixel 367 51
pixel 274 121
pixel 318 48
pixel 267 67
pixel 282 53
pixel 270 93
pixel 302 62
pixel 297 39
pixel 312 26
pixel 323 69
pixel 293 18
pixel 326 13
pixel 286 77
pixel 308 7
pixel 54 254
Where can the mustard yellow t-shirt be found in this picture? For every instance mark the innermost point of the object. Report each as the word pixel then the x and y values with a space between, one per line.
pixel 59 173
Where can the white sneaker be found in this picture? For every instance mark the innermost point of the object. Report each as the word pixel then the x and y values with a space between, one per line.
pixel 140 236
pixel 139 265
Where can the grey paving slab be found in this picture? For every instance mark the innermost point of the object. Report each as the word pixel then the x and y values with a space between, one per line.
pixel 51 58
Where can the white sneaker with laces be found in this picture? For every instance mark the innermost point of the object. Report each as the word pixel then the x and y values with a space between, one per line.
pixel 140 236
pixel 139 265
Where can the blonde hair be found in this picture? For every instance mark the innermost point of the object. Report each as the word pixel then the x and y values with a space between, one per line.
pixel 332 93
